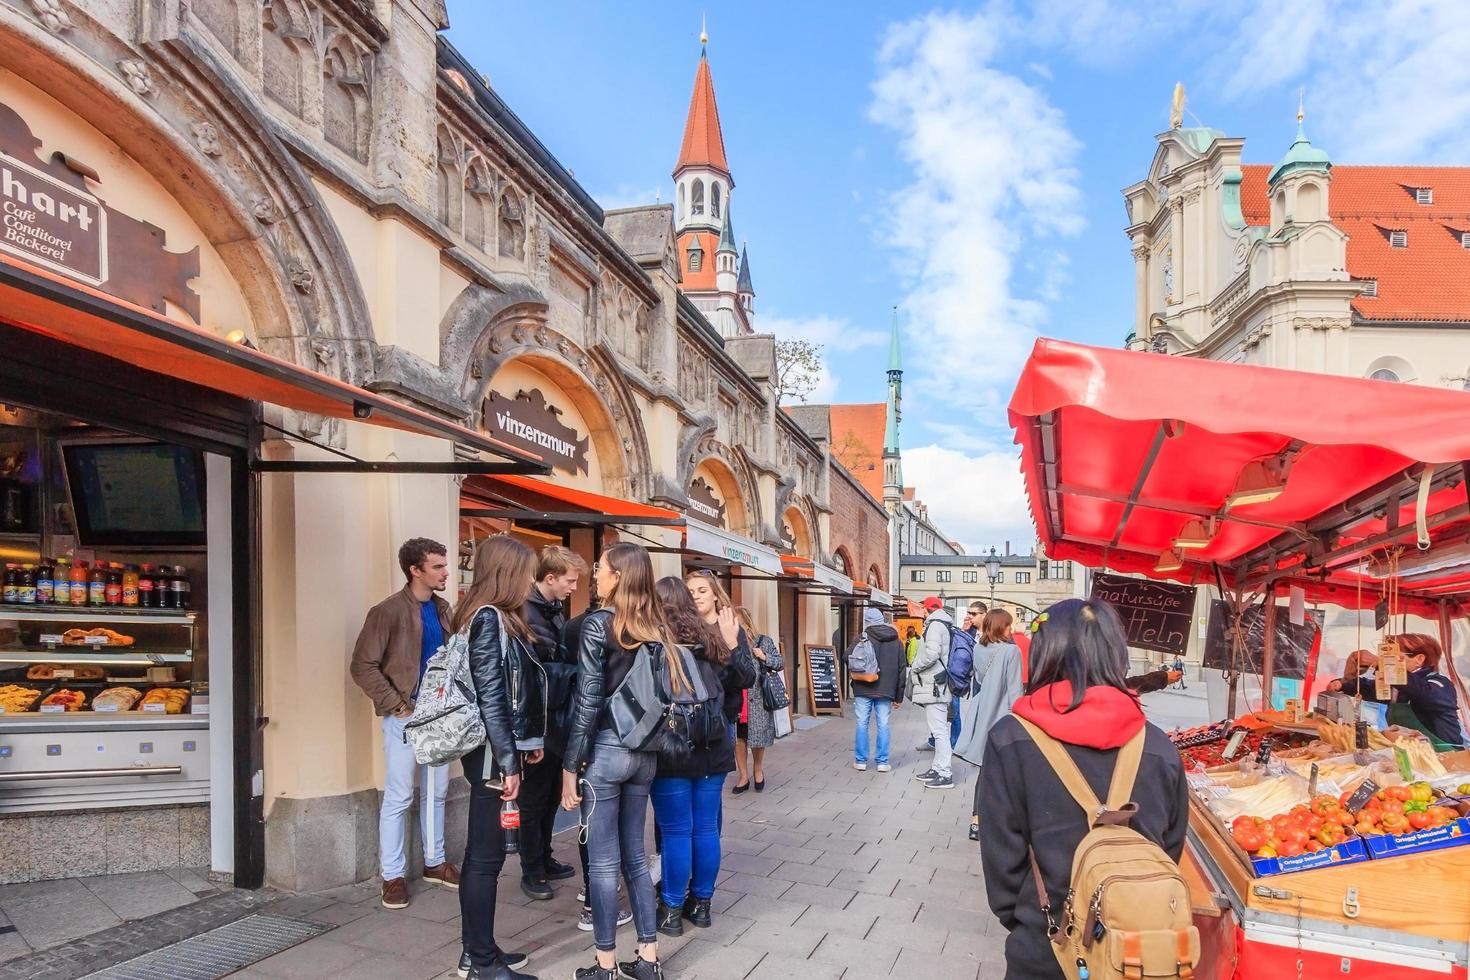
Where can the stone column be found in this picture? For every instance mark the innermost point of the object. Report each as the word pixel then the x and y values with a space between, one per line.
pixel 1140 289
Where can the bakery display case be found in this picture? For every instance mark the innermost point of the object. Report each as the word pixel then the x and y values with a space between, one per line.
pixel 101 707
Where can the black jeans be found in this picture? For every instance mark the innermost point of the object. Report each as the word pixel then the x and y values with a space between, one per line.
pixel 615 810
pixel 484 856
pixel 539 798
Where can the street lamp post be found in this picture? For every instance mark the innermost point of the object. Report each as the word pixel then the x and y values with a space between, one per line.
pixel 992 571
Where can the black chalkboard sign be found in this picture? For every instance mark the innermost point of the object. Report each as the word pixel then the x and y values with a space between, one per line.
pixel 1156 615
pixel 1296 646
pixel 823 695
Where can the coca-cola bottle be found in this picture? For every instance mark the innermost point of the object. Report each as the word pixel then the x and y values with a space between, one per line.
pixel 510 825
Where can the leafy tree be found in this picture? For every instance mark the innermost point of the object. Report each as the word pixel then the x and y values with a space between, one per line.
pixel 798 369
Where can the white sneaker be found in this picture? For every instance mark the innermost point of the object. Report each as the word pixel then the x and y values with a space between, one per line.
pixel 884 767
pixel 860 766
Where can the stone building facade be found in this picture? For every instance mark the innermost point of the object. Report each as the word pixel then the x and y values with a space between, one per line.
pixel 367 206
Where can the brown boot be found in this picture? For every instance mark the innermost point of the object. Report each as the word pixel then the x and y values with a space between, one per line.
pixel 445 874
pixel 395 894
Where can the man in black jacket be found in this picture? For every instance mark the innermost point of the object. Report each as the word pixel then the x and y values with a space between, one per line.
pixel 558 574
pixel 876 698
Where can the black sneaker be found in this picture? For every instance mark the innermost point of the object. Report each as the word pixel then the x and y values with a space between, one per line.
pixel 556 871
pixel 940 782
pixel 696 910
pixel 670 921
pixel 512 960
pixel 641 969
pixel 595 972
pixel 537 889
pixel 926 775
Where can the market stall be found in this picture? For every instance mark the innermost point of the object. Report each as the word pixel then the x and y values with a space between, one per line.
pixel 1325 838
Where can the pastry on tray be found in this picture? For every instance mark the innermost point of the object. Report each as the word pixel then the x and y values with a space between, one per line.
pixel 78 672
pixel 172 698
pixel 123 697
pixel 78 638
pixel 71 700
pixel 14 697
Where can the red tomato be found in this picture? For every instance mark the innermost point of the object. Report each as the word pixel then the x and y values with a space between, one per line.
pixel 1402 794
pixel 1419 820
pixel 1345 817
pixel 1251 838
pixel 1290 848
pixel 1314 846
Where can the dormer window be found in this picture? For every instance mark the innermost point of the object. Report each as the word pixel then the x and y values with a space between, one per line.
pixel 696 256
pixel 1424 195
pixel 1398 238
pixel 1465 239
pixel 1370 287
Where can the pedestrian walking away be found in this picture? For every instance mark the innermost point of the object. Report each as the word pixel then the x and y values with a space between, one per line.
pixel 999 689
pixel 558 572
pixel 687 793
pixel 602 775
pixel 930 688
pixel 874 698
pixel 510 691
pixel 1077 695
pixel 397 639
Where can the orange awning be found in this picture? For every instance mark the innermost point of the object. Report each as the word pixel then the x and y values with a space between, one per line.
pixel 524 498
pixel 69 312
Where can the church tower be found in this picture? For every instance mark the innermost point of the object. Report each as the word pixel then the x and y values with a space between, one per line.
pixel 709 263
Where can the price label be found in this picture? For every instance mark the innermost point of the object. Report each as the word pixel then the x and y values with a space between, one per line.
pixel 1232 747
pixel 105 709
pixel 1312 781
pixel 95 641
pixel 155 707
pixel 52 709
pixel 52 639
pixel 1263 754
pixel 1360 730
pixel 1360 799
pixel 63 674
pixel 1391 663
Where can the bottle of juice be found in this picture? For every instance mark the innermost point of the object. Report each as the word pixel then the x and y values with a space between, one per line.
pixel 97 585
pixel 45 586
pixel 26 585
pixel 11 593
pixel 79 583
pixel 130 586
pixel 114 584
pixel 61 582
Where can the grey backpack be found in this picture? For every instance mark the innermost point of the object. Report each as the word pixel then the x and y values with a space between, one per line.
pixel 446 722
pixel 862 661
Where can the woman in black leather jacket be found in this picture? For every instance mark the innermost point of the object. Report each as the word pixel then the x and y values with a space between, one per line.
pixel 608 781
pixel 511 692
pixel 687 795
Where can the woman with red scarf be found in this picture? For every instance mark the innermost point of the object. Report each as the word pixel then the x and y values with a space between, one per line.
pixel 1077 693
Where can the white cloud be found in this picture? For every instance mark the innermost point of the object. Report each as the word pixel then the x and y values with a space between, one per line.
pixel 628 196
pixel 825 392
pixel 993 172
pixel 833 333
pixel 978 499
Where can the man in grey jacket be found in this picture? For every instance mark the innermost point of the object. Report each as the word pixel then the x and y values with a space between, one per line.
pixel 930 689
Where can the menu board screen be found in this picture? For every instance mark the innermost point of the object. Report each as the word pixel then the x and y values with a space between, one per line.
pixel 140 494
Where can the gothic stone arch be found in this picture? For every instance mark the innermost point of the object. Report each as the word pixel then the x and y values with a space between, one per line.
pixel 485 329
pixel 170 106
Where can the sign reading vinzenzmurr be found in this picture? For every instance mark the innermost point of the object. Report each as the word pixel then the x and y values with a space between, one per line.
pixel 527 421
pixel 50 217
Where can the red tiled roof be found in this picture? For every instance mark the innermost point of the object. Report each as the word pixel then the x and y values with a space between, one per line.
pixel 857 442
pixel 704 279
pixel 704 143
pixel 1429 280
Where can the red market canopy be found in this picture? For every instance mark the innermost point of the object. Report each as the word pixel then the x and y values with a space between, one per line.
pixel 1121 450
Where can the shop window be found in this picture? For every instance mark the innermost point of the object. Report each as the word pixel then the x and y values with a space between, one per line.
pixel 1023 578
pixel 917 575
pixel 942 576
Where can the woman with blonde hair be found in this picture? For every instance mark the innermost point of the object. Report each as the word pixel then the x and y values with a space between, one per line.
pixel 606 778
pixel 510 689
pixel 713 604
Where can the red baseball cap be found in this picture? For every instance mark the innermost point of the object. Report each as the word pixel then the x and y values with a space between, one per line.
pixel 932 603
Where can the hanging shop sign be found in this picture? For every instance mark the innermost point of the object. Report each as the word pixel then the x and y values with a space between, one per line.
pixel 704 504
pixel 1155 615
pixel 526 421
pixel 880 598
pixel 708 540
pixel 49 217
pixel 835 581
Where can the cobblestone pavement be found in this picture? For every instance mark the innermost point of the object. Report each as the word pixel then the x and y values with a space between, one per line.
pixel 830 873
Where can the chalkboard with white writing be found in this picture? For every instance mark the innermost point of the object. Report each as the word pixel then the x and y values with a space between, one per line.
pixel 1156 615
pixel 823 695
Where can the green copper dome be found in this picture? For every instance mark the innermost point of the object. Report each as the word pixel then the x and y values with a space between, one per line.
pixel 1301 155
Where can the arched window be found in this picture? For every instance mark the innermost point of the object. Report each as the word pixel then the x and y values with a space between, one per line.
pixel 681 200
pixel 1383 374
pixel 696 199
pixel 714 200
pixel 478 205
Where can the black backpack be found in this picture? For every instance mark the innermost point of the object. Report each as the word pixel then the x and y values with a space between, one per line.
pixel 696 718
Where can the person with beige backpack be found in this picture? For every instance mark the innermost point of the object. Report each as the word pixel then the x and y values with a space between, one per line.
pixel 1084 808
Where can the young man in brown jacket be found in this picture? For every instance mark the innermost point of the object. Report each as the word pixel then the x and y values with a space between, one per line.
pixel 397 639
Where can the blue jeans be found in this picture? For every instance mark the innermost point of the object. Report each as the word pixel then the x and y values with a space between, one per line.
pixel 687 815
pixel 954 723
pixel 866 708
pixel 615 812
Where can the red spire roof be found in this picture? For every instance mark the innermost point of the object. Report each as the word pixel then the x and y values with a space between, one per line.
pixel 704 144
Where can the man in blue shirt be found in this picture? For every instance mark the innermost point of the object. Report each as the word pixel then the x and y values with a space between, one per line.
pixel 398 637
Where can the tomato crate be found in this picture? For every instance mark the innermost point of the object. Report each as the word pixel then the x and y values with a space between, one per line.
pixel 1350 851
pixel 1428 839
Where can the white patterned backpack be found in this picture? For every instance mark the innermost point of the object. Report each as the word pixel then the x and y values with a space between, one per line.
pixel 446 722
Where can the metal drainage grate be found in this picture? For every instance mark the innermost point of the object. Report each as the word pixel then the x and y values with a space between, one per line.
pixel 218 952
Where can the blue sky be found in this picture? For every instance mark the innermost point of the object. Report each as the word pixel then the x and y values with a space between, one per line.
pixel 963 162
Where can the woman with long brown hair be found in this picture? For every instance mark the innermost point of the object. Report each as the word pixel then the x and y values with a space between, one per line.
pixel 608 780
pixel 687 793
pixel 510 689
